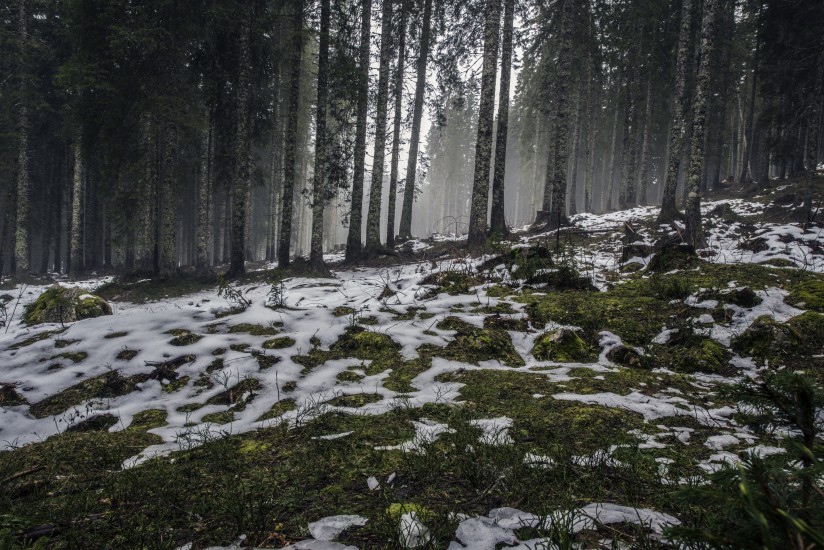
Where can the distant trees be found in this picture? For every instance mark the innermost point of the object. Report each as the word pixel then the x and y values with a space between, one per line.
pixel 161 136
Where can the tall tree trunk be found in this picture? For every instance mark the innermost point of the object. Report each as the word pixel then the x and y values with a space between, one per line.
pixel 21 234
pixel 353 241
pixel 405 229
pixel 676 131
pixel 694 230
pixel 373 217
pixel 242 146
pixel 497 225
pixel 396 133
pixel 290 149
pixel 590 129
pixel 607 189
pixel 645 148
pixel 576 149
pixel 167 238
pixel 749 126
pixel 814 140
pixel 321 141
pixel 75 239
pixel 204 189
pixel 486 114
pixel 557 215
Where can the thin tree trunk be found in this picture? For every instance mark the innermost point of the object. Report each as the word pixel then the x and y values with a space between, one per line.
pixel 167 259
pixel 576 150
pixel 645 148
pixel 396 134
pixel 486 113
pixel 608 188
pixel 589 153
pixel 497 225
pixel 319 177
pixel 290 149
pixel 405 229
pixel 242 145
pixel 373 217
pixel 749 128
pixel 559 188
pixel 204 194
pixel 21 234
pixel 694 230
pixel 75 254
pixel 353 241
pixel 669 211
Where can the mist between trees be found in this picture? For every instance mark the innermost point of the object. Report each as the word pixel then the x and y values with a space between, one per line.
pixel 159 136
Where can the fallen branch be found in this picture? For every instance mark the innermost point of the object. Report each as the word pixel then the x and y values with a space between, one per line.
pixel 23 473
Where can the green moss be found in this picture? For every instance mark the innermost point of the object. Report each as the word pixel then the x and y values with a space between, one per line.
pixel 73 356
pixel 563 346
pixel 239 347
pixel 810 293
pixel 473 344
pixel 278 409
pixel 234 395
pixel 355 400
pixel 693 354
pixel 119 334
pixel 223 417
pixel 190 407
pixel 267 361
pixel 148 419
pixel 58 304
pixel 766 338
pixel 365 344
pixel 39 337
pixel 254 330
pixel 9 396
pixel 64 343
pixel 349 376
pixel 126 354
pixel 809 328
pixel 111 384
pixel 183 337
pixel 395 510
pixel 176 385
pixel 343 311
pixel 279 343
pixel 451 282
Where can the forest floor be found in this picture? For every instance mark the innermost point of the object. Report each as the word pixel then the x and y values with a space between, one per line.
pixel 556 390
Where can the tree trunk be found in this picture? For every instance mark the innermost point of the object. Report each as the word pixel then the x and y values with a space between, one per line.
pixel 353 241
pixel 590 121
pixel 167 257
pixel 405 229
pixel 319 177
pixel 373 217
pixel 204 189
pixel 576 150
pixel 486 114
pixel 21 234
pixel 645 148
pixel 75 240
pixel 498 227
pixel 242 145
pixel 608 187
pixel 749 127
pixel 290 149
pixel 676 131
pixel 396 134
pixel 559 188
pixel 694 231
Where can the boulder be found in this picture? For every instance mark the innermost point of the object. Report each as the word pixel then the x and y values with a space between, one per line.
pixel 59 304
pixel 563 345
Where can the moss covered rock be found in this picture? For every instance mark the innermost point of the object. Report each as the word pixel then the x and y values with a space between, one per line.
pixel 59 304
pixel 473 344
pixel 628 357
pixel 693 354
pixel 809 329
pixel 564 346
pixel 766 338
pixel 809 295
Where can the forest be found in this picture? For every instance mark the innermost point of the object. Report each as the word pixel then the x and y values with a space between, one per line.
pixel 160 137
pixel 453 274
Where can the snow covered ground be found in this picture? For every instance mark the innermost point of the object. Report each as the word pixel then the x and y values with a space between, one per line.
pixel 312 319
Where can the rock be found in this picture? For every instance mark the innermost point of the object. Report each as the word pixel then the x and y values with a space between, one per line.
pixel 60 304
pixel 563 345
pixel 766 338
pixel 744 297
pixel 627 357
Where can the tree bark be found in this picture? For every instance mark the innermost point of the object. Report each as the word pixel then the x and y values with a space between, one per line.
pixel 559 187
pixel 373 217
pixel 204 190
pixel 645 148
pixel 486 114
pixel 694 230
pixel 353 241
pixel 749 126
pixel 21 234
pixel 608 187
pixel 242 145
pixel 167 226
pixel 321 141
pixel 676 131
pixel 75 239
pixel 405 229
pixel 497 225
pixel 290 149
pixel 396 134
